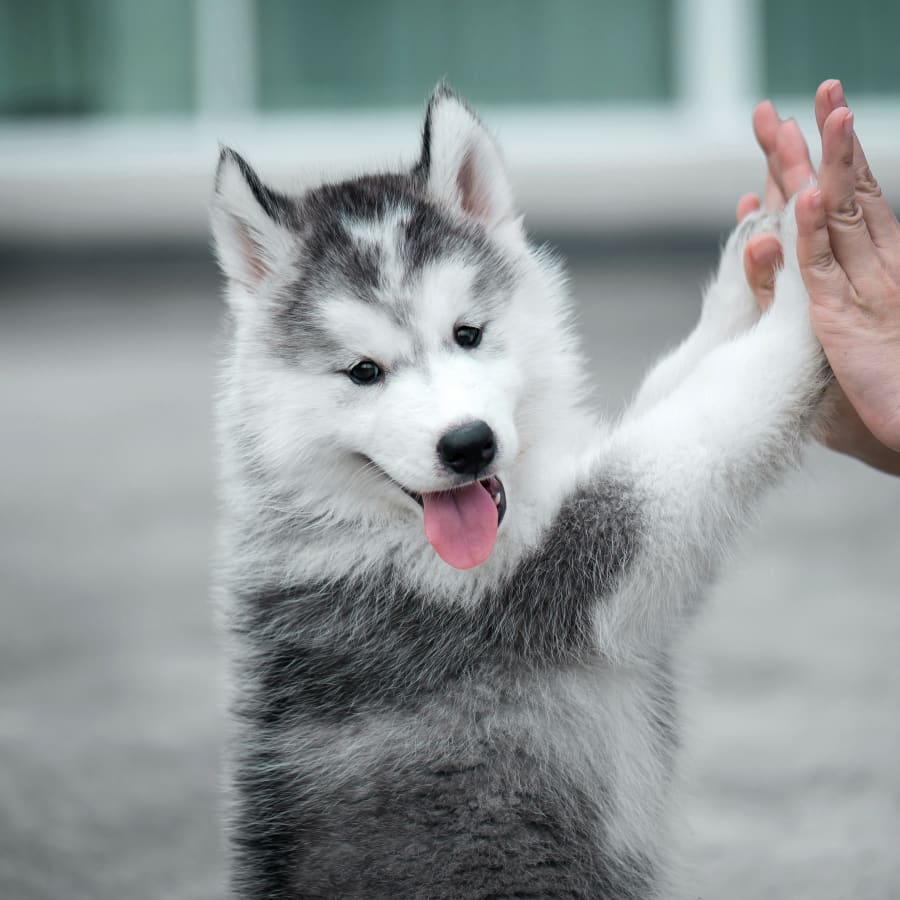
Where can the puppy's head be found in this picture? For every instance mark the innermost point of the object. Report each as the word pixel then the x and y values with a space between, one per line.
pixel 390 332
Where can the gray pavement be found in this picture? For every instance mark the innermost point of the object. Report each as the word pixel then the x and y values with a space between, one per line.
pixel 110 670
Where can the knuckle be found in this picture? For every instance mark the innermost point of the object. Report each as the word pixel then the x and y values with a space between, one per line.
pixel 847 213
pixel 867 184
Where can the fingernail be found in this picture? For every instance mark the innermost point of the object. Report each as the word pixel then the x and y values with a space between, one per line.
pixel 836 94
pixel 815 199
pixel 848 123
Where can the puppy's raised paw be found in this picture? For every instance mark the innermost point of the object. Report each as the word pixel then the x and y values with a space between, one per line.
pixel 729 306
pixel 791 297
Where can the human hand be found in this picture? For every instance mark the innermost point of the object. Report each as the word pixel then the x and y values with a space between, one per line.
pixel 790 170
pixel 849 253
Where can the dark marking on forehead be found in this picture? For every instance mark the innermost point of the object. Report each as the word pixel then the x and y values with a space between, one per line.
pixel 332 260
pixel 494 282
pixel 369 197
pixel 428 233
pixel 359 266
pixel 429 237
pixel 298 333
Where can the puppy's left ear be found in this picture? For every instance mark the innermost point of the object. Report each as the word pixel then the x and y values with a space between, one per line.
pixel 461 162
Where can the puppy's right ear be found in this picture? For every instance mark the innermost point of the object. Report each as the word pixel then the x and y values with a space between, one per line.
pixel 251 224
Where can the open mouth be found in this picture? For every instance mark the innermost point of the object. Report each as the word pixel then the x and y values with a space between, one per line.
pixel 493 485
pixel 461 524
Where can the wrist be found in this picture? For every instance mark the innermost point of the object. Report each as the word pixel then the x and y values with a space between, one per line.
pixel 841 429
pixel 861 444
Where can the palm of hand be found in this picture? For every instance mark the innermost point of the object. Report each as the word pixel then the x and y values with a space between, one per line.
pixel 849 248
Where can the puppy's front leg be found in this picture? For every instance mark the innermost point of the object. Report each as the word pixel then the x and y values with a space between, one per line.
pixel 728 310
pixel 700 458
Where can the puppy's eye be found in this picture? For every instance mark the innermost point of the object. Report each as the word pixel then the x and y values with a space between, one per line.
pixel 467 336
pixel 365 372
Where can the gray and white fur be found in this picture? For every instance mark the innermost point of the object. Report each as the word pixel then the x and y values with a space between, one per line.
pixel 404 728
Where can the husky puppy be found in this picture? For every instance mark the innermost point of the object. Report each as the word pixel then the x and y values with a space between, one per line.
pixel 453 593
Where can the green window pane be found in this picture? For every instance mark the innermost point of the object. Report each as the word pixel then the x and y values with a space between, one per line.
pixel 40 70
pixel 59 57
pixel 314 53
pixel 809 42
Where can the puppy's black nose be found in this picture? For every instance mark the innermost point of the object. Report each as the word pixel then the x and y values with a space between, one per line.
pixel 468 449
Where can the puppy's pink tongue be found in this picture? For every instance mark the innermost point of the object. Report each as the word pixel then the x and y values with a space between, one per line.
pixel 461 525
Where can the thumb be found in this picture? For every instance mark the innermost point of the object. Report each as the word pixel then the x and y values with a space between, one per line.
pixel 762 259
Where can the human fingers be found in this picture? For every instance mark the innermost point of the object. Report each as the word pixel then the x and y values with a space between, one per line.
pixel 763 257
pixel 851 242
pixel 765 127
pixel 856 321
pixel 747 204
pixel 829 96
pixel 826 282
pixel 792 154
pixel 877 212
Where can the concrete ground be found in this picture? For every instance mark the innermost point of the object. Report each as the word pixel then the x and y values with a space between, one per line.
pixel 110 697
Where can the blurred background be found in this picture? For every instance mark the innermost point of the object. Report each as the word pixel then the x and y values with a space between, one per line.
pixel 614 116
pixel 626 127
